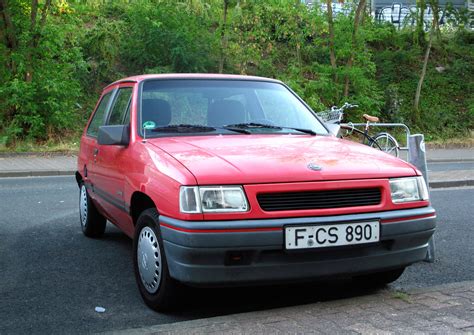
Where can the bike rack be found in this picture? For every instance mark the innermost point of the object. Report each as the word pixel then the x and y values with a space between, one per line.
pixel 386 125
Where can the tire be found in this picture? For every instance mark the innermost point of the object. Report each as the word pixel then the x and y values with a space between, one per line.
pixel 379 279
pixel 92 222
pixel 387 143
pixel 159 291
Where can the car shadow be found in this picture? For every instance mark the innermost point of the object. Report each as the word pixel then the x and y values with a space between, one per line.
pixel 207 302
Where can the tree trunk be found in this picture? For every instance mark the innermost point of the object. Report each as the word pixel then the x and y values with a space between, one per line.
pixel 223 37
pixel 8 25
pixel 10 36
pixel 35 34
pixel 420 23
pixel 423 70
pixel 29 56
pixel 332 53
pixel 357 19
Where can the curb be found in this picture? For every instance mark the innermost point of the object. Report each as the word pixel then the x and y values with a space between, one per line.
pixel 39 154
pixel 451 183
pixel 451 160
pixel 45 173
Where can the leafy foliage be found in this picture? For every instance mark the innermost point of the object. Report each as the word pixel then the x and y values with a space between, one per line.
pixel 53 68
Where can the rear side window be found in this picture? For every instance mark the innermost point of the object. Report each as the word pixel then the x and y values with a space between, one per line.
pixel 98 118
pixel 120 110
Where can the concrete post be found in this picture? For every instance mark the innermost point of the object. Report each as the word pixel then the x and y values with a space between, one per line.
pixel 417 157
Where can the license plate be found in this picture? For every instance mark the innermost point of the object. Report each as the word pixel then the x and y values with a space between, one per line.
pixel 303 237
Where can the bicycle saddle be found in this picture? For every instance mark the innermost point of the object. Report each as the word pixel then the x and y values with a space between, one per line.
pixel 371 118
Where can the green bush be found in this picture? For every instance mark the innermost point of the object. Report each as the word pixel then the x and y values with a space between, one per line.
pixel 84 46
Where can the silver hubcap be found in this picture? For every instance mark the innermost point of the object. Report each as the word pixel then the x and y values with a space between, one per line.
pixel 83 206
pixel 149 260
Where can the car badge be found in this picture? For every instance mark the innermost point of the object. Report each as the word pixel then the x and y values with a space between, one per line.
pixel 314 167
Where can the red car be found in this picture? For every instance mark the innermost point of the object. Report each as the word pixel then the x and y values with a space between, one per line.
pixel 227 180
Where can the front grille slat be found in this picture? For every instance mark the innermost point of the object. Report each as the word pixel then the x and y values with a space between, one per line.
pixel 325 200
pixel 319 199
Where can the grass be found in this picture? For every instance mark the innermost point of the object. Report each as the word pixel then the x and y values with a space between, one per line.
pixel 402 296
pixel 449 143
pixel 66 146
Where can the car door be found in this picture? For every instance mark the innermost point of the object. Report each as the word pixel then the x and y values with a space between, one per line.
pixel 111 160
pixel 89 143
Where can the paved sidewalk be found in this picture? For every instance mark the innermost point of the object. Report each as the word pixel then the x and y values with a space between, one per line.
pixel 37 165
pixel 445 309
pixel 450 155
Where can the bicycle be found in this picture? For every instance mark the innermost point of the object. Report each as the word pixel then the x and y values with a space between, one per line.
pixel 383 141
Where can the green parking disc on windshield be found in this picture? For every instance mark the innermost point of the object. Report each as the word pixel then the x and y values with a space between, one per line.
pixel 149 125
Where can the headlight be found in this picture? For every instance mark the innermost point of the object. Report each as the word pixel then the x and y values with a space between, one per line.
pixel 212 199
pixel 408 189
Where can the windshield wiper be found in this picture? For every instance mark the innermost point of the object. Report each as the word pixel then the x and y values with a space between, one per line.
pixel 237 130
pixel 262 125
pixel 251 125
pixel 183 128
pixel 302 130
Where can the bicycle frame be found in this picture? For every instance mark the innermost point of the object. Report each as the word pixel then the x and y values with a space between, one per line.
pixel 364 133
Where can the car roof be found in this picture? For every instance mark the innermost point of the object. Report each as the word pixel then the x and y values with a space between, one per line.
pixel 208 76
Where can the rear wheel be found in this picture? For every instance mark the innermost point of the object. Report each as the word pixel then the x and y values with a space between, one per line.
pixel 92 222
pixel 379 279
pixel 385 142
pixel 157 288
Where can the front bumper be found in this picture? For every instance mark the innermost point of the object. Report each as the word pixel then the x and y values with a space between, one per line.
pixel 226 253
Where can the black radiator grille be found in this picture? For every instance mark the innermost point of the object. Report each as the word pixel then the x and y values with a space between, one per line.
pixel 289 201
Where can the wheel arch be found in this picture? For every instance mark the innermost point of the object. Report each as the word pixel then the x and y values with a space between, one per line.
pixel 138 203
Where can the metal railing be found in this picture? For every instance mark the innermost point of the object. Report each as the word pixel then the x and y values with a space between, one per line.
pixel 386 125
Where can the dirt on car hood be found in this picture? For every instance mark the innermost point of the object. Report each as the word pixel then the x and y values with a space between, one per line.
pixel 249 159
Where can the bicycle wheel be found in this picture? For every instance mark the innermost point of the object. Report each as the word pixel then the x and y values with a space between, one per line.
pixel 385 142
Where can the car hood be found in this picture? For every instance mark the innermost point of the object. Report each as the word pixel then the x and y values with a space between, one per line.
pixel 250 159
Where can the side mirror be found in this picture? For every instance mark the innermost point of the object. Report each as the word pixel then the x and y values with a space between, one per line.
pixel 114 135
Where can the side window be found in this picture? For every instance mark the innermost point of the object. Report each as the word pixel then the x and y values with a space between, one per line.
pixel 119 113
pixel 98 118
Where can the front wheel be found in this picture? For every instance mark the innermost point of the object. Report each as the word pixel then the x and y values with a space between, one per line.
pixel 157 288
pixel 387 143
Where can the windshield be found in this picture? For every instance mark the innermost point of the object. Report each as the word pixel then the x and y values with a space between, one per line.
pixel 223 107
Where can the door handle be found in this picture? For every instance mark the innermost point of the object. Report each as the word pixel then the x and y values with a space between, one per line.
pixel 96 152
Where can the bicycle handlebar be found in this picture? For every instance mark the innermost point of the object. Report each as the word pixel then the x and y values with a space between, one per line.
pixel 343 107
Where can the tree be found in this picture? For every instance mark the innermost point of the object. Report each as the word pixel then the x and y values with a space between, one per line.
pixel 420 22
pixel 434 27
pixel 11 41
pixel 223 35
pixel 359 14
pixel 332 53
pixel 35 34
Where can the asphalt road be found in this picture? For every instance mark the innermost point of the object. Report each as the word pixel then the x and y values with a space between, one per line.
pixel 52 277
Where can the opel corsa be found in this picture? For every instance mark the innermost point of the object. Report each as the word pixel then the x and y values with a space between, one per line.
pixel 225 180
